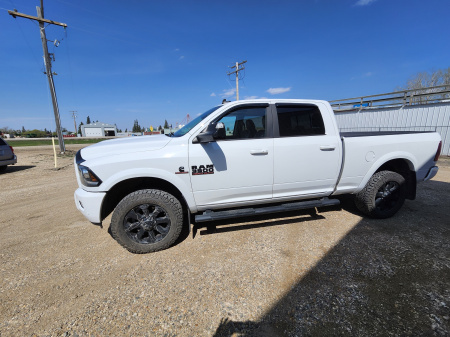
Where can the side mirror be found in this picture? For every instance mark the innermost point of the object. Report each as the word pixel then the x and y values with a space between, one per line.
pixel 204 137
pixel 211 133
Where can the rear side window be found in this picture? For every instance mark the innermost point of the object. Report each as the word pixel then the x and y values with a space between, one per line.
pixel 300 120
pixel 2 142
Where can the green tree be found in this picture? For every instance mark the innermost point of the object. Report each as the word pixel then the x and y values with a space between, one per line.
pixel 34 134
pixel 166 125
pixel 88 120
pixel 79 128
pixel 136 126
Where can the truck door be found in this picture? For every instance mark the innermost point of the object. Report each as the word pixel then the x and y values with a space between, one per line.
pixel 237 167
pixel 307 155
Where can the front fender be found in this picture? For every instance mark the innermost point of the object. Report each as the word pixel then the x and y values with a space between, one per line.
pixel 181 182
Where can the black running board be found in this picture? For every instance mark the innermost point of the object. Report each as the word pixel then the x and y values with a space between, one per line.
pixel 237 213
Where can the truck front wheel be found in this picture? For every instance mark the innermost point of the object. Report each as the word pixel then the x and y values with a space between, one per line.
pixel 383 195
pixel 146 221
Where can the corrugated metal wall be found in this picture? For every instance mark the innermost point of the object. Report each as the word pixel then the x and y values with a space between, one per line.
pixel 429 117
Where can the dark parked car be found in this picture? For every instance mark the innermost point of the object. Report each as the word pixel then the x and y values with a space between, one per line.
pixel 7 156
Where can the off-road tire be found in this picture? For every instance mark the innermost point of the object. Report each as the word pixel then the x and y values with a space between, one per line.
pixel 133 237
pixel 383 195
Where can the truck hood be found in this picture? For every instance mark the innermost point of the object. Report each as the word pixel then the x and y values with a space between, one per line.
pixel 125 145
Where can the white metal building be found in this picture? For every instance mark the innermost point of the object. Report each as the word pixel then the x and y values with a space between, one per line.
pixel 425 109
pixel 98 130
pixel 426 117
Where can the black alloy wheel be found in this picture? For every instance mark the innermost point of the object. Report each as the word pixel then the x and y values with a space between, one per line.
pixel 147 221
pixel 387 196
pixel 146 224
pixel 383 195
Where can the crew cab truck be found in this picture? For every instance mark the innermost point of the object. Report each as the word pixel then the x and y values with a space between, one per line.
pixel 243 158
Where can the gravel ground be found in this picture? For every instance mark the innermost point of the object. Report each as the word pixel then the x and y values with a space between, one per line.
pixel 329 273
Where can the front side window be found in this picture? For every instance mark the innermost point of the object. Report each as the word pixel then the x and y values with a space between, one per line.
pixel 244 123
pixel 300 120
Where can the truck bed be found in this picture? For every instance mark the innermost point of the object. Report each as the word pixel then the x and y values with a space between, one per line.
pixel 363 154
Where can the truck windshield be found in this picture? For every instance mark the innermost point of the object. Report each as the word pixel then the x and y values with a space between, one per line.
pixel 185 129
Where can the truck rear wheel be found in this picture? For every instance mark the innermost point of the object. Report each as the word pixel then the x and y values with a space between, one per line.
pixel 383 195
pixel 146 221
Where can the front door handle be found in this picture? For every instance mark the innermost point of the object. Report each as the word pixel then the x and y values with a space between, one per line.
pixel 259 152
pixel 327 148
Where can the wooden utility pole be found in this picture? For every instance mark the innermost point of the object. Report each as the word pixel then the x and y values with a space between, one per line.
pixel 48 65
pixel 237 75
pixel 74 115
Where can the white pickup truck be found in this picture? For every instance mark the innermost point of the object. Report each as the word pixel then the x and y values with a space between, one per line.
pixel 244 158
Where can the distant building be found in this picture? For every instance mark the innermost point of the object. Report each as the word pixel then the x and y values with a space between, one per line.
pixel 98 130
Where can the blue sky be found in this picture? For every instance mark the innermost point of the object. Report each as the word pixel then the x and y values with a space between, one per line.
pixel 157 60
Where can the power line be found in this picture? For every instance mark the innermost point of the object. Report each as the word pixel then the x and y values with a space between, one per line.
pixel 28 45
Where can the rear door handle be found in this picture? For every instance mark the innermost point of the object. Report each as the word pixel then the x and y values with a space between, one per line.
pixel 259 152
pixel 327 148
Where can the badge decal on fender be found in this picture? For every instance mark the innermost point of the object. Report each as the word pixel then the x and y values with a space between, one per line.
pixel 181 170
pixel 202 169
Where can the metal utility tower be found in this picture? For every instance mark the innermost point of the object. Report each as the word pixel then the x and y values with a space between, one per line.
pixel 48 64
pixel 237 75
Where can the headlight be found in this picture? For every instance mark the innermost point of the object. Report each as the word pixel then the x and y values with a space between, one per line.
pixel 88 178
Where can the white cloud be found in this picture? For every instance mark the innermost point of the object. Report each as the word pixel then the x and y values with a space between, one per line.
pixel 181 57
pixel 364 2
pixel 213 94
pixel 228 92
pixel 251 97
pixel 368 74
pixel 276 91
pixel 177 49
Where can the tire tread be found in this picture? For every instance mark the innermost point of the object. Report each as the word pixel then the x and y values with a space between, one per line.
pixel 124 206
pixel 365 199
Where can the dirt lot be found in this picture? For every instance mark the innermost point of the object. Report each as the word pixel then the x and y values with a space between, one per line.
pixel 333 273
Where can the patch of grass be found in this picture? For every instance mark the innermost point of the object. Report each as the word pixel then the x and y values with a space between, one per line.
pixel 36 142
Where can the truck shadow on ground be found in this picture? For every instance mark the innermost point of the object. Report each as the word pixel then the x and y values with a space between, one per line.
pixel 16 168
pixel 385 277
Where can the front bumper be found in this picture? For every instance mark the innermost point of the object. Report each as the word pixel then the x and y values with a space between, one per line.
pixel 9 161
pixel 90 204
